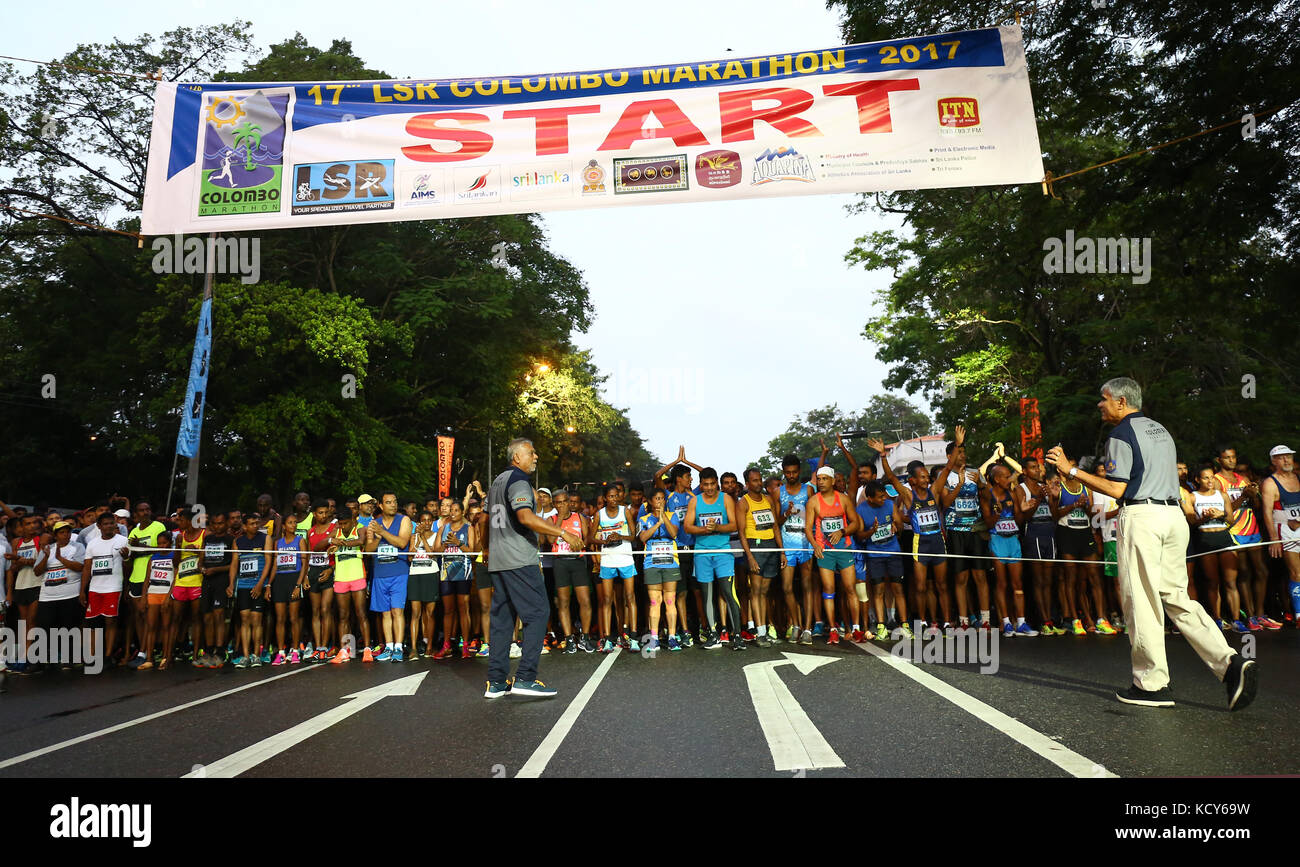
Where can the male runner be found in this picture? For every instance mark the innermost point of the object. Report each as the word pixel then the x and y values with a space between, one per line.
pixel 756 512
pixel 1034 511
pixel 1281 495
pixel 572 576
pixel 711 517
pixel 884 562
pixel 793 497
pixel 1245 531
pixel 389 536
pixel 829 528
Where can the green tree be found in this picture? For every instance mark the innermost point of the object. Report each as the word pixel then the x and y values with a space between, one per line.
pixel 886 415
pixel 970 305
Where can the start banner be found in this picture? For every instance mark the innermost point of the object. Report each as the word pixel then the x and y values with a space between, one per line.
pixel 950 110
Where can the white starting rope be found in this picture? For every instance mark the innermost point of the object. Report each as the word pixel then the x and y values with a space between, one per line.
pixel 738 552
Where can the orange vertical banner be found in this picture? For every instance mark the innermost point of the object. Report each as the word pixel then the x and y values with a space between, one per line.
pixel 446 445
pixel 1031 434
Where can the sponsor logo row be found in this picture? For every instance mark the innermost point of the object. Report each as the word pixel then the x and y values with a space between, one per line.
pixel 360 185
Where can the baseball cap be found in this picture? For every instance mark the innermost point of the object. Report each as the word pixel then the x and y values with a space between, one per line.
pixel 121 513
pixel 826 471
pixel 365 498
pixel 59 525
pixel 1280 450
pixel 546 491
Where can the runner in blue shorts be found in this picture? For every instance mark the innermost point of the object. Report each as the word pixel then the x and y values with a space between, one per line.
pixel 711 517
pixel 612 530
pixel 389 536
pixel 878 541
pixel 830 528
pixel 798 555
pixel 1003 518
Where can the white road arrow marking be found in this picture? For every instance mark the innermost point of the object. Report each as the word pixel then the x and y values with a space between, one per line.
pixel 250 757
pixel 791 737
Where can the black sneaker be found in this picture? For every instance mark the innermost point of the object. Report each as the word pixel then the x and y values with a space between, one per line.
pixel 1145 697
pixel 570 645
pixel 738 643
pixel 1241 680
pixel 585 644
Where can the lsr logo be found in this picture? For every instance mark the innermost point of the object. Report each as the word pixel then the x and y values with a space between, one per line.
pixel 343 186
pixel 737 110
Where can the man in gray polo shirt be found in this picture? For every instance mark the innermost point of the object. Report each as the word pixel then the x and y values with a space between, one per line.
pixel 519 592
pixel 1142 475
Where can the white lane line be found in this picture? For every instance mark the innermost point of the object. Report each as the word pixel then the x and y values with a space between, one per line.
pixel 6 763
pixel 546 749
pixel 1061 756
pixel 792 739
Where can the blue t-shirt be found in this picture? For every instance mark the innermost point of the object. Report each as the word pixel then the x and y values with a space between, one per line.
pixel 882 539
pixel 677 503
pixel 661 550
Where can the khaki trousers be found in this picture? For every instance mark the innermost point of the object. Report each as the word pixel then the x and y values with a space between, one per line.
pixel 1152 548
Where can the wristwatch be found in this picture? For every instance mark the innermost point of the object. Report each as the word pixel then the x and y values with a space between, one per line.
pixel 1074 471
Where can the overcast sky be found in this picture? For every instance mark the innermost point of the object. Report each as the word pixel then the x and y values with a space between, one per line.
pixel 758 286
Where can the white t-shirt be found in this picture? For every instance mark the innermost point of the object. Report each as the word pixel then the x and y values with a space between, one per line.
pixel 1101 504
pixel 60 582
pixel 28 549
pixel 105 564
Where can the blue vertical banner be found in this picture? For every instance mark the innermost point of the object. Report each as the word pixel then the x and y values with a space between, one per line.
pixel 187 442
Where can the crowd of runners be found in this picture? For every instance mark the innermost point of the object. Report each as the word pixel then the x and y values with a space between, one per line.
pixel 692 557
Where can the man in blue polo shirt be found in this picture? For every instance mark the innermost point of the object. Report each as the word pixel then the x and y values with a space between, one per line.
pixel 1142 475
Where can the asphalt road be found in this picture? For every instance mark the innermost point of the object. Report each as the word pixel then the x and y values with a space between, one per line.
pixel 1049 711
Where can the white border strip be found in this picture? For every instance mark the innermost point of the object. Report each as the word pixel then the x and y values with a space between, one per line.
pixel 546 749
pixel 1061 756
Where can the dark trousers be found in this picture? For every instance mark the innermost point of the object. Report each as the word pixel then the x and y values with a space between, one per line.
pixel 517 594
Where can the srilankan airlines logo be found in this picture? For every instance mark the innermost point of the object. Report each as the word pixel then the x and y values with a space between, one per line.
pixel 476 185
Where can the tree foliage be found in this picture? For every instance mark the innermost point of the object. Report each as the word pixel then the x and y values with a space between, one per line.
pixel 886 415
pixel 970 299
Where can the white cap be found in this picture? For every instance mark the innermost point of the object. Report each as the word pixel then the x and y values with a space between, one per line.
pixel 1280 450
pixel 546 491
pixel 122 513
pixel 826 471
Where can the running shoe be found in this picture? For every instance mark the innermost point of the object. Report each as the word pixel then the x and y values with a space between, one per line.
pixel 652 646
pixel 738 643
pixel 544 649
pixel 834 637
pixel 266 656
pixel 762 640
pixel 398 653
pixel 240 662
pixel 1049 628
pixel 515 650
pixel 1240 627
pixel 772 635
pixel 294 658
pixel 747 635
pixel 673 644
pixel 806 637
pixel 257 661
pixel 1104 627
pixel 907 631
pixel 585 644
pixel 533 688
pixel 932 632
pixel 1024 630
pixel 1145 698
pixel 570 645
pixel 341 657
pixel 712 643
pixel 608 646
pixel 1092 630
pixel 201 661
pixel 635 646
pixel 1223 624
pixel 465 654
pixel 817 629
pixel 882 634
pixel 687 641
pixel 1077 627
pixel 1008 631
pixel 1268 622
pixel 482 652
pixel 443 653
pixel 624 641
pixel 792 635
pixel 309 650
pixel 1254 624
pixel 496 690
pixel 474 645
pixel 368 655
pixel 858 635
pixel 724 637
pixel 384 655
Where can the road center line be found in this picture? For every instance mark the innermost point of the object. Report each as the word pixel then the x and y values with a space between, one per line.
pixel 546 749
pixel 1061 756
pixel 6 763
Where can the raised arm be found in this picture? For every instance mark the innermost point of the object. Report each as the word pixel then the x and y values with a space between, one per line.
pixel 878 446
pixel 853 484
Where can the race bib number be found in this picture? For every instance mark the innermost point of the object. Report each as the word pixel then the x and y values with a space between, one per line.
pixel 55 577
pixel 286 559
pixel 833 524
pixel 424 561
pixel 101 566
pixel 249 566
pixel 189 565
pixel 927 519
pixel 763 519
pixel 679 514
pixel 562 547
pixel 387 553
pixel 713 520
pixel 1006 527
pixel 606 535
pixel 214 553
pixel 1293 513
pixel 661 552
pixel 882 533
pixel 345 554
pixel 318 558
pixel 160 576
pixel 794 523
pixel 1077 519
pixel 1043 512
